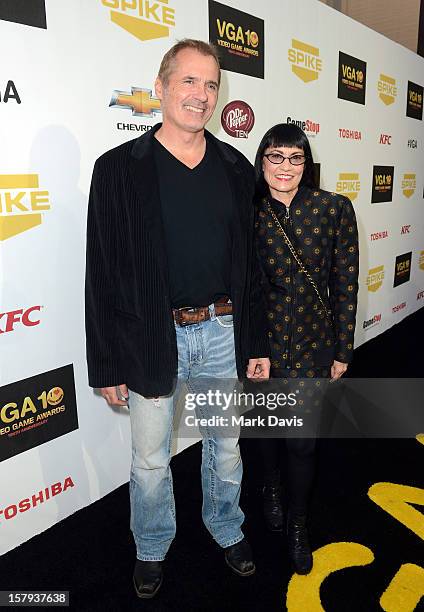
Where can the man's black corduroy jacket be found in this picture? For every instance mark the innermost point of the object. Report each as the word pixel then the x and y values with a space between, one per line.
pixel 129 325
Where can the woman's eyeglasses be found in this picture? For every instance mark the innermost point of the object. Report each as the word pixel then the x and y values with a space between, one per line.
pixel 277 158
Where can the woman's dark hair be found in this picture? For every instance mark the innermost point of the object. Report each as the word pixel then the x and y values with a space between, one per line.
pixel 284 135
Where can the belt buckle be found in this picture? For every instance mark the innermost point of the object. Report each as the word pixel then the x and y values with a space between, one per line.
pixel 179 321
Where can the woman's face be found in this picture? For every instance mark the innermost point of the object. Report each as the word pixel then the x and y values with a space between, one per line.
pixel 283 178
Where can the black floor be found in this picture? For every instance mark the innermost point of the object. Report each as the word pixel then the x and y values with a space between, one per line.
pixel 91 554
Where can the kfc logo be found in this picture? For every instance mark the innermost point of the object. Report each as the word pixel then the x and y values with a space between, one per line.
pixel 385 139
pixel 8 320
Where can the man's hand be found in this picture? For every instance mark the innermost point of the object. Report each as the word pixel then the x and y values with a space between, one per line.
pixel 258 368
pixel 338 369
pixel 112 394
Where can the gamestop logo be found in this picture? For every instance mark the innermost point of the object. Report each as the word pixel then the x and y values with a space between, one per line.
pixel 311 128
pixel 144 19
pixel 375 320
pixel 10 511
pixel 349 184
pixel 21 204
pixel 237 119
pixel 305 60
pixel 28 318
pixel 375 278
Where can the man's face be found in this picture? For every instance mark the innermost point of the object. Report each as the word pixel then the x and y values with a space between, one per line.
pixel 190 96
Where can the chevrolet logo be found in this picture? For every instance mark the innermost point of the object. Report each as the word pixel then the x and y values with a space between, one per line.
pixel 140 101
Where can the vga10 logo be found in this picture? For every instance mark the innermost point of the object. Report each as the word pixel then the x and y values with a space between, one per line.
pixel 382 184
pixel 13 411
pixel 22 204
pixel 236 36
pixel 349 184
pixel 144 19
pixel 305 61
pixel 387 90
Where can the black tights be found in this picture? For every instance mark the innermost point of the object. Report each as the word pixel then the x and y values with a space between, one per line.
pixel 300 467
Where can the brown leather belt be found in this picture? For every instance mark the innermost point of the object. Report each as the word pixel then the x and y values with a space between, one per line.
pixel 188 315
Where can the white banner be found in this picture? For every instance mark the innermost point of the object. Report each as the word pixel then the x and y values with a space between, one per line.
pixel 77 79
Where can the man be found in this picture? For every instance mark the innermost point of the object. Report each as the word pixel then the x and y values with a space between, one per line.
pixel 172 292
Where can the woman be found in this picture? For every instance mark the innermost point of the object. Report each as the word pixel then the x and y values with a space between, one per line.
pixel 307 245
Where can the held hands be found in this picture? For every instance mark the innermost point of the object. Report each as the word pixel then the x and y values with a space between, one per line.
pixel 258 368
pixel 112 394
pixel 338 369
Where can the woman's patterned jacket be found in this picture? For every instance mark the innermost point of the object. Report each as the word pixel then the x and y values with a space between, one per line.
pixel 322 228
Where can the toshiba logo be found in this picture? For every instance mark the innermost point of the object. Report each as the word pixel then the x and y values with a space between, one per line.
pixel 379 235
pixel 28 317
pixel 30 502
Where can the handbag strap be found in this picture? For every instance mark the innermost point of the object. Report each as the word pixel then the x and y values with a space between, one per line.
pixel 299 261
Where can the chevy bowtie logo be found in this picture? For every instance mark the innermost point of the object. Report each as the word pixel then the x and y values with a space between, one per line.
pixel 140 101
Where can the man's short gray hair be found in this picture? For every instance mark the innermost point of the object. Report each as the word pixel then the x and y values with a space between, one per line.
pixel 168 60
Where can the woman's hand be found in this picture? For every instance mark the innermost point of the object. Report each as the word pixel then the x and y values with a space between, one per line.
pixel 338 369
pixel 258 368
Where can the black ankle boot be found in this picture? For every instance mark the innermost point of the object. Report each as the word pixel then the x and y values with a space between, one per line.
pixel 147 578
pixel 273 510
pixel 298 543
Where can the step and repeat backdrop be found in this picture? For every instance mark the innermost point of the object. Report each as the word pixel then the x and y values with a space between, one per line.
pixel 77 78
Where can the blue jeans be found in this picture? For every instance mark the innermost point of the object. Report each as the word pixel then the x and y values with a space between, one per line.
pixel 204 350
